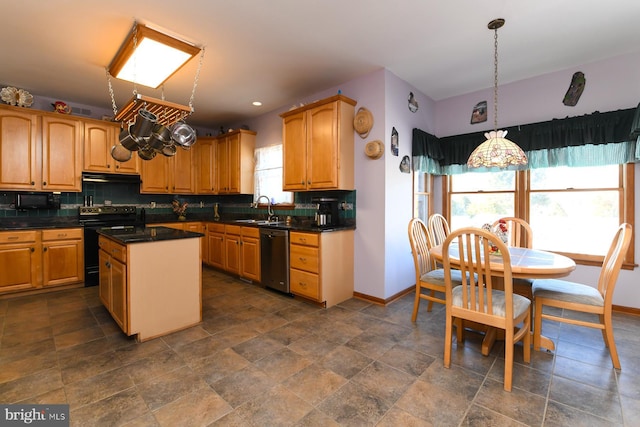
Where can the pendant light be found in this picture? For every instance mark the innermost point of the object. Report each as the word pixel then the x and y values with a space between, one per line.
pixel 496 151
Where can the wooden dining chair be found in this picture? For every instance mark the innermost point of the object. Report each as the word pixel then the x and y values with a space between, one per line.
pixel 438 229
pixel 476 299
pixel 519 232
pixel 583 298
pixel 427 277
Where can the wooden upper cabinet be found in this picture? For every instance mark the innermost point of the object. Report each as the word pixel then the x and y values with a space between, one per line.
pixel 205 153
pixel 99 139
pixel 318 146
pixel 294 151
pixel 61 153
pixel 235 162
pixel 173 175
pixel 19 146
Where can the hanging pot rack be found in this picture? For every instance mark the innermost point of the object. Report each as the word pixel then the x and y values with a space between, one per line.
pixel 168 113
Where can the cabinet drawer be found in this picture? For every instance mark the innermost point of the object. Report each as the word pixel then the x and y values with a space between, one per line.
pixel 62 234
pixel 232 229
pixel 18 236
pixel 114 249
pixel 215 227
pixel 308 239
pixel 251 232
pixel 305 284
pixel 304 258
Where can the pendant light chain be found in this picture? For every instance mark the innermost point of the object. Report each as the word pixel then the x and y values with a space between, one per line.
pixel 195 80
pixel 135 58
pixel 495 79
pixel 113 97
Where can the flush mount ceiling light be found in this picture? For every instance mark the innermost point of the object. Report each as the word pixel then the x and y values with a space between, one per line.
pixel 496 151
pixel 149 57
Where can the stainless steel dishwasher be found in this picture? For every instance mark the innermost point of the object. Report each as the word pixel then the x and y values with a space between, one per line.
pixel 274 259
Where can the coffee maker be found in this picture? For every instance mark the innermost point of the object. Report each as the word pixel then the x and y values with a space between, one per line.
pixel 327 211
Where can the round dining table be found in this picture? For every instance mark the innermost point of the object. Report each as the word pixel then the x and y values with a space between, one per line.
pixel 525 264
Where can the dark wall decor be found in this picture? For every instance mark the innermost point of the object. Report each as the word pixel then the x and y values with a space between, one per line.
pixel 479 113
pixel 405 165
pixel 575 89
pixel 413 103
pixel 394 141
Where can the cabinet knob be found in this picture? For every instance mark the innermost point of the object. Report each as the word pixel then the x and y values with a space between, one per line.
pixel 44 183
pixel 303 260
pixel 33 249
pixel 45 249
pixel 33 183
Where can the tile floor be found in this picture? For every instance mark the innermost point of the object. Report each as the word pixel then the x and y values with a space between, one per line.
pixel 263 359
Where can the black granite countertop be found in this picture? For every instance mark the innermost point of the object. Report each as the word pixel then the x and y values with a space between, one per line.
pixel 297 224
pixel 129 235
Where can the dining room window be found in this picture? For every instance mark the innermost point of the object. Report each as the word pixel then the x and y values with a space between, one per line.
pixel 477 198
pixel 572 210
pixel 422 195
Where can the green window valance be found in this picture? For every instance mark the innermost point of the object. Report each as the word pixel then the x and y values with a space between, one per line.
pixel 593 139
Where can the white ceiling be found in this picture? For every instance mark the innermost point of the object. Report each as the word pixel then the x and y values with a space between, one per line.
pixel 279 51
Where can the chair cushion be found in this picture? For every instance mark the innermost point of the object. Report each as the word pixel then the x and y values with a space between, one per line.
pixel 437 277
pixel 520 303
pixel 563 290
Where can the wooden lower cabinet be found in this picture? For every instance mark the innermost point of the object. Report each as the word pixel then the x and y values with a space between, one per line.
pixel 20 260
pixel 37 259
pixel 322 266
pixel 250 253
pixel 234 249
pixel 62 256
pixel 113 280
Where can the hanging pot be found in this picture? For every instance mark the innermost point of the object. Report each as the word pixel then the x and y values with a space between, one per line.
pixel 129 141
pixel 160 137
pixel 169 150
pixel 147 153
pixel 120 153
pixel 183 134
pixel 145 121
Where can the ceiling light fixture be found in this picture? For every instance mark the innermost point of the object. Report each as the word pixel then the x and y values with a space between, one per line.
pixel 257 103
pixel 151 125
pixel 149 57
pixel 496 151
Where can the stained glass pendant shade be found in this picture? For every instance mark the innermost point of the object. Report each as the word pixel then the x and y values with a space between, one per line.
pixel 496 151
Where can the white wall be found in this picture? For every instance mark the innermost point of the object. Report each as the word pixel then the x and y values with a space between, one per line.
pixel 610 85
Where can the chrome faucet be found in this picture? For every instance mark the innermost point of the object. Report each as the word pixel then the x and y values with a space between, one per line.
pixel 269 210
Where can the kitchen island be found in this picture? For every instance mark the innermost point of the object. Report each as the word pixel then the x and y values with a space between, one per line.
pixel 151 279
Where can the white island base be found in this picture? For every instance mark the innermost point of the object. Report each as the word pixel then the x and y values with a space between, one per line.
pixel 161 291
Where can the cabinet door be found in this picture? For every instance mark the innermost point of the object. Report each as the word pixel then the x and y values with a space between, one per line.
pixel 222 165
pixel 251 258
pixel 119 293
pixel 232 253
pixel 233 158
pixel 154 175
pixel 18 168
pixel 216 249
pixel 104 283
pixel 294 149
pixel 61 154
pixel 98 140
pixel 18 267
pixel 62 262
pixel 322 147
pixel 205 166
pixel 182 172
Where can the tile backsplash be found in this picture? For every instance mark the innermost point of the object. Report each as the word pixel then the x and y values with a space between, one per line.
pixel 129 194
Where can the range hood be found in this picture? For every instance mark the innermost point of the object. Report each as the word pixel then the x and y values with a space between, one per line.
pixel 110 178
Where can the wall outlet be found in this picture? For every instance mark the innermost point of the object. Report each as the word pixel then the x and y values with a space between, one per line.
pixel 153 205
pixel 202 204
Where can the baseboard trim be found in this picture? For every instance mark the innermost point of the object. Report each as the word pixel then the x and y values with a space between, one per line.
pixel 386 301
pixel 628 310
